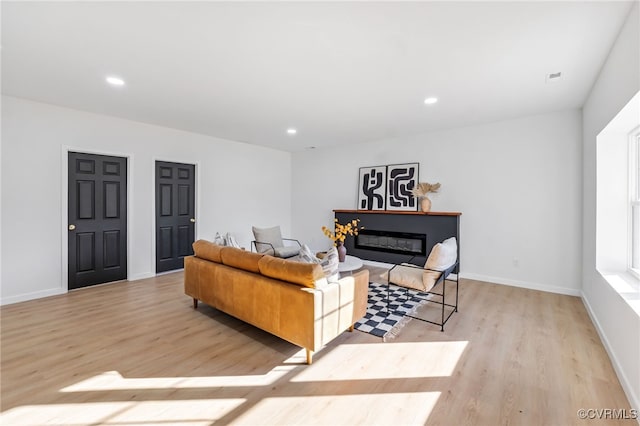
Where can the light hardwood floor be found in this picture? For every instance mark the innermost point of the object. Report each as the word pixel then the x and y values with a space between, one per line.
pixel 138 354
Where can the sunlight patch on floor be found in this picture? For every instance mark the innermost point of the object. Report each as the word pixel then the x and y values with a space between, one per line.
pixel 181 412
pixel 385 361
pixel 387 408
pixel 113 380
pixel 298 358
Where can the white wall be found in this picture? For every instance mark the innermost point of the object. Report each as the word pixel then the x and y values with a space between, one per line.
pixel 516 182
pixel 232 192
pixel 618 324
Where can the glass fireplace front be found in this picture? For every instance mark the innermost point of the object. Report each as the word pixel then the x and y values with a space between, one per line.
pixel 392 242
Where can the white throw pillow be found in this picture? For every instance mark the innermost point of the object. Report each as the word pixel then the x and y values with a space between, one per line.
pixel 443 255
pixel 231 241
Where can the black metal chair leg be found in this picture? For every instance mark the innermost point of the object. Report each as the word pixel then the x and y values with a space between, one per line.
pixel 444 287
pixel 457 289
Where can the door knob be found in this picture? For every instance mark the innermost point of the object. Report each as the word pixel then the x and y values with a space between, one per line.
pixel 72 227
pixel 192 220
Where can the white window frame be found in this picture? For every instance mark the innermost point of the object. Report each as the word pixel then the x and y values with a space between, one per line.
pixel 634 195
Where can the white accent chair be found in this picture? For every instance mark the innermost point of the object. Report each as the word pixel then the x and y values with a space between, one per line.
pixel 442 261
pixel 270 241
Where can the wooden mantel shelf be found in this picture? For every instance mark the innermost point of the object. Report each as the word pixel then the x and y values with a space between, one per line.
pixel 416 213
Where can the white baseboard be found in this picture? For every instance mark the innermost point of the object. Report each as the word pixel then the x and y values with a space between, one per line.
pixel 523 284
pixel 56 291
pixel 141 276
pixel 505 281
pixel 168 272
pixel 377 264
pixel 31 296
pixel 626 386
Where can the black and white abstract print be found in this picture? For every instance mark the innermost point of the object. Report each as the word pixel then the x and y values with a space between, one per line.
pixel 372 188
pixel 401 179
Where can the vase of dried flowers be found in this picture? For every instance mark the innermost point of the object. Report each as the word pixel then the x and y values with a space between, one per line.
pixel 339 234
pixel 342 251
pixel 425 204
pixel 421 190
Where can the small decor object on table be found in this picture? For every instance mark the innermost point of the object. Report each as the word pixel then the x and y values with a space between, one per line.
pixel 339 234
pixel 421 190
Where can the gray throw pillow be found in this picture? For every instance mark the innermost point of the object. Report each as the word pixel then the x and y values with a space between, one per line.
pixel 219 240
pixel 330 265
pixel 307 256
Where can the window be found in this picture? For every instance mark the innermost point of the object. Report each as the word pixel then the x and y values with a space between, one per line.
pixel 634 202
pixel 618 195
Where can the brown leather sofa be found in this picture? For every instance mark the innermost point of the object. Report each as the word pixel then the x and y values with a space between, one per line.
pixel 289 299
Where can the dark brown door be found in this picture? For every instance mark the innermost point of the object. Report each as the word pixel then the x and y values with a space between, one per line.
pixel 175 214
pixel 97 219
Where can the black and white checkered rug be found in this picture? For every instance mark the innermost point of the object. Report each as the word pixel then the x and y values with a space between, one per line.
pixel 383 322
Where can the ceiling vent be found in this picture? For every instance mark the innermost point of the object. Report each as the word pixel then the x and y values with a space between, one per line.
pixel 554 77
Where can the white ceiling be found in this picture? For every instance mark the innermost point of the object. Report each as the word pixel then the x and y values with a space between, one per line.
pixel 339 72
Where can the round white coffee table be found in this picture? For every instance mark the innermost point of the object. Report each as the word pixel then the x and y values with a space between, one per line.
pixel 351 263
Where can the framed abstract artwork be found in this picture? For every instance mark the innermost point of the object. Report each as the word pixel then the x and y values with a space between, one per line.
pixel 401 179
pixel 372 188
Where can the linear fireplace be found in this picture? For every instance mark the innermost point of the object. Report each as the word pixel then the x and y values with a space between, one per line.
pixel 433 227
pixel 392 242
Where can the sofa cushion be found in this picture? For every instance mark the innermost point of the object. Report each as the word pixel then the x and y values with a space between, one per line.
pixel 304 274
pixel 241 259
pixel 286 251
pixel 207 250
pixel 412 276
pixel 406 275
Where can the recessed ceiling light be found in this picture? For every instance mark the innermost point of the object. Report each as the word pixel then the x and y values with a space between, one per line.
pixel 430 101
pixel 115 81
pixel 554 77
pixel 292 131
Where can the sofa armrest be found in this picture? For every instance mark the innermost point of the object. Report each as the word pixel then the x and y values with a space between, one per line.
pixel 192 276
pixel 337 306
pixel 360 296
